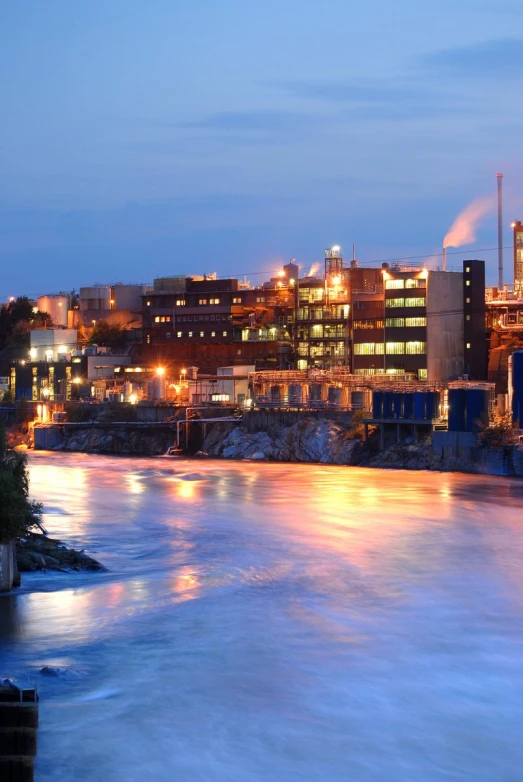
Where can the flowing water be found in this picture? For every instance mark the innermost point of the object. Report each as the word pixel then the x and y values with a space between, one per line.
pixel 274 622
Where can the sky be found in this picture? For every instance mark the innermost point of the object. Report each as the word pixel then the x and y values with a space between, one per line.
pixel 145 138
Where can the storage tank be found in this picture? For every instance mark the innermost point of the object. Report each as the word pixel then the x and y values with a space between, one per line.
pixel 97 297
pixel 357 400
pixel 56 305
pixel 192 373
pixel 476 408
pixel 156 387
pixel 387 404
pixel 127 390
pixel 516 387
pixel 420 405
pixel 295 392
pixel 457 398
pixel 433 404
pixel 397 404
pixel 408 405
pixel 334 395
pixel 377 404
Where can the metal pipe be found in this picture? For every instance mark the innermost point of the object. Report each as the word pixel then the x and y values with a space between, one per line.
pixel 499 178
pixel 444 259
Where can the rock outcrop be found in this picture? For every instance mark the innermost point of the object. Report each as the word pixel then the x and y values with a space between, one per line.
pixel 38 552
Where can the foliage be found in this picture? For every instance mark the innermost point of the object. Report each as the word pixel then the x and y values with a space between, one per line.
pixel 499 434
pixel 17 512
pixel 105 334
pixel 17 319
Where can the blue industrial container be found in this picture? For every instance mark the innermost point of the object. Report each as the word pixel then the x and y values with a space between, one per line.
pixel 408 405
pixel 457 397
pixel 476 409
pixel 387 404
pixel 433 404
pixel 397 404
pixel 334 395
pixel 295 394
pixel 377 404
pixel 517 387
pixel 420 405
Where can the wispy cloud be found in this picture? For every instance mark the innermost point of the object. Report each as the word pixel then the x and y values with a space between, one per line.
pixel 254 121
pixel 497 59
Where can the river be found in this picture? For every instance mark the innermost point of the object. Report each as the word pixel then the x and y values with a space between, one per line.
pixel 274 622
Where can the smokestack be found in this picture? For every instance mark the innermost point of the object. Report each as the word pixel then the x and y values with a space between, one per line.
pixel 499 177
pixel 444 259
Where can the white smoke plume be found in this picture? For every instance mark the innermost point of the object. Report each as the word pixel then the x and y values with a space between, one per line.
pixel 463 229
pixel 315 268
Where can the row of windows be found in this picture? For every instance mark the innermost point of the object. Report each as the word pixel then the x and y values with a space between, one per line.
pixel 368 305
pixel 416 301
pixel 422 373
pixel 208 301
pixel 399 323
pixel 180 334
pixel 400 284
pixel 391 348
pixel 367 324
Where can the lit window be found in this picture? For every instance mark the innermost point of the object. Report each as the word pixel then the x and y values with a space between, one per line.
pixel 415 302
pixel 148 303
pixel 467 301
pixel 467 268
pixel 214 301
pixel 412 322
pixel 157 319
pixel 368 348
pixel 467 282
pixel 395 348
pixel 415 348
pixel 213 333
pixel 422 374
pixel 394 302
pixel 224 333
pixel 202 301
pixel 190 333
pixel 236 300
pixel 201 333
pixel 395 323
pixel 180 302
pixel 468 317
pixel 393 284
pixel 468 345
pixel 178 333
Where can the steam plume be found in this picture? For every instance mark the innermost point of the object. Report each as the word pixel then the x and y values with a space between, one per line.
pixel 314 269
pixel 463 229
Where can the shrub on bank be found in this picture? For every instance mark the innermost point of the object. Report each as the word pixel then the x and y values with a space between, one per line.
pixel 17 512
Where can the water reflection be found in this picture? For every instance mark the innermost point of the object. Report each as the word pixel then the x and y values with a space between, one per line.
pixel 276 622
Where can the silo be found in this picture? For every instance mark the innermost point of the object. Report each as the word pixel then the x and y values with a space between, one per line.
pixel 408 405
pixel 420 405
pixel 476 409
pixel 334 395
pixel 457 398
pixel 397 404
pixel 433 404
pixel 377 404
pixel 357 400
pixel 517 387
pixel 57 306
pixel 387 404
pixel 127 390
pixel 156 387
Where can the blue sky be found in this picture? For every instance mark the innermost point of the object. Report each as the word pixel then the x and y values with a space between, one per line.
pixel 141 139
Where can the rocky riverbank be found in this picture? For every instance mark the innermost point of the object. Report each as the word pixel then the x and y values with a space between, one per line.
pixel 39 552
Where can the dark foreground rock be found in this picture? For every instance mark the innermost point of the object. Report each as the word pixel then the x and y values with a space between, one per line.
pixel 38 552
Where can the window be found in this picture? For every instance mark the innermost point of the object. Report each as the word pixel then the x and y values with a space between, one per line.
pixel 368 349
pixel 395 323
pixel 214 301
pixel 467 268
pixel 148 339
pixel 468 345
pixel 260 299
pixel 393 284
pixel 415 302
pixel 202 301
pixel 467 282
pixel 178 333
pixel 394 302
pixel 157 319
pixel 367 324
pixel 201 333
pixel 236 300
pixel 395 348
pixel 180 302
pixel 415 283
pixel 468 318
pixel 415 348
pixel 422 374
pixel 224 333
pixel 413 322
pixel 213 333
pixel 467 301
pixel 190 333
pixel 148 303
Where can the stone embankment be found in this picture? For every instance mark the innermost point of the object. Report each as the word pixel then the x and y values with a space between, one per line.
pixel 330 442
pixel 126 440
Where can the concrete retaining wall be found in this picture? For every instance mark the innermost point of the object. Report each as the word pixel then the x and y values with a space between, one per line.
pixel 9 576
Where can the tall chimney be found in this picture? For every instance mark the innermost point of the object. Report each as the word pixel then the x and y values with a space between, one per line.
pixel 499 177
pixel 444 259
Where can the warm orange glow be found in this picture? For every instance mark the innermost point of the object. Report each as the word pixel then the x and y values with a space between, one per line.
pixel 281 274
pixel 160 371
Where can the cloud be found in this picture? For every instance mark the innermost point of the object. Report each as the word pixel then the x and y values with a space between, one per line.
pixel 500 59
pixel 268 121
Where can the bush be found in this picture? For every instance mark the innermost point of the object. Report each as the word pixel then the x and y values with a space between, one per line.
pixel 499 434
pixel 17 512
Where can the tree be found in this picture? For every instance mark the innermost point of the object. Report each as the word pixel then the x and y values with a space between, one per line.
pixel 105 334
pixel 17 512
